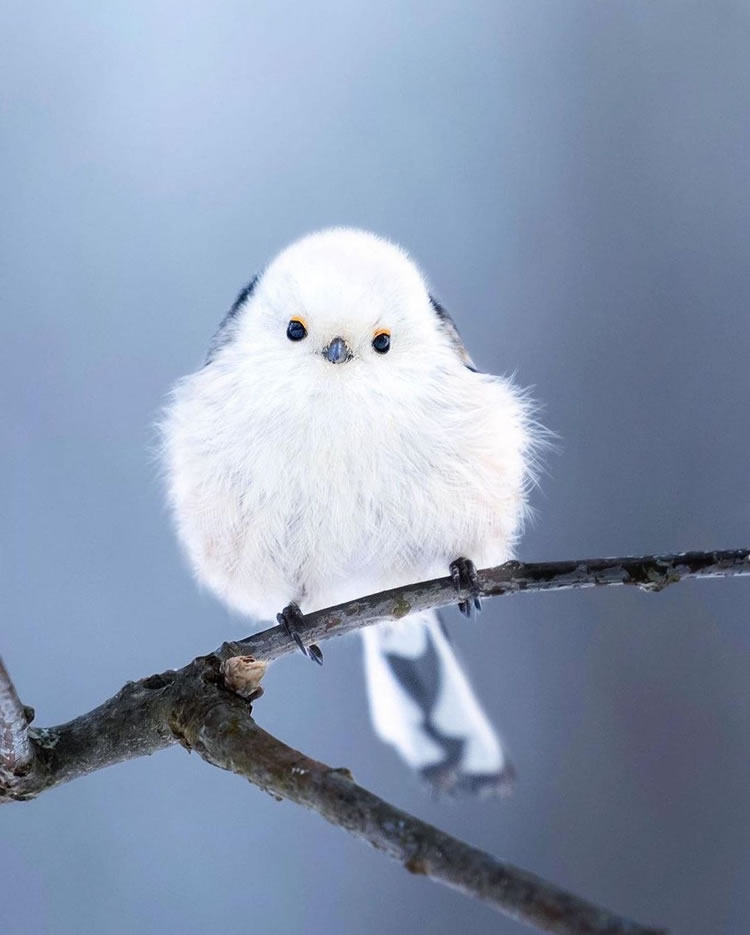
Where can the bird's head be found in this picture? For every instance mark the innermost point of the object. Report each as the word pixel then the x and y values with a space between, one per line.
pixel 341 307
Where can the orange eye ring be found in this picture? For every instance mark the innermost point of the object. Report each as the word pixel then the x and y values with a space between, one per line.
pixel 297 328
pixel 381 342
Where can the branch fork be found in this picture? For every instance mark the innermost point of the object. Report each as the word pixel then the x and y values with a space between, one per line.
pixel 206 706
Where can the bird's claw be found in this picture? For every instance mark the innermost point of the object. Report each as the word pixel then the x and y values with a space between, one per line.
pixel 466 582
pixel 291 619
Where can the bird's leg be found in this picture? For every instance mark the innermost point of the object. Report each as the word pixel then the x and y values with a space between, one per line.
pixel 291 619
pixel 466 581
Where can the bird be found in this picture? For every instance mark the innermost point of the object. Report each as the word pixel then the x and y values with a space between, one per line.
pixel 338 440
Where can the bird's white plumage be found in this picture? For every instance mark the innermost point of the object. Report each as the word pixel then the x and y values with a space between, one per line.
pixel 292 478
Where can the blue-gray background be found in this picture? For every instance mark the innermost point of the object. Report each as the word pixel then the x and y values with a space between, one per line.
pixel 574 178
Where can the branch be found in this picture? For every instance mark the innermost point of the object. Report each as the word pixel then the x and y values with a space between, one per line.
pixel 195 708
pixel 133 722
pixel 16 751
pixel 155 713
pixel 647 572
pixel 226 736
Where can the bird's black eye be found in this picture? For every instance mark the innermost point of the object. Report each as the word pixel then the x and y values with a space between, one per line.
pixel 296 330
pixel 382 342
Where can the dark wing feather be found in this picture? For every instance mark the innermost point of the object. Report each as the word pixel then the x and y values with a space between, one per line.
pixel 449 327
pixel 226 329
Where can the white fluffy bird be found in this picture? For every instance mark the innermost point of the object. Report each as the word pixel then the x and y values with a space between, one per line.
pixel 338 441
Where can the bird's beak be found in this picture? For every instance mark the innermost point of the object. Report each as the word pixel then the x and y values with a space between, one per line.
pixel 337 351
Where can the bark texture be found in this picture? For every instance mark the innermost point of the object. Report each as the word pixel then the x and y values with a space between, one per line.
pixel 206 706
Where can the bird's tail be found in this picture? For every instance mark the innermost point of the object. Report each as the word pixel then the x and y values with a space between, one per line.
pixel 421 702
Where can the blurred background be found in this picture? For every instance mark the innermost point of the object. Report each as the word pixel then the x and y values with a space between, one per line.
pixel 573 177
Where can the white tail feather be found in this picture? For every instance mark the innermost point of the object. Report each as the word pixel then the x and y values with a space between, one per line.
pixel 421 703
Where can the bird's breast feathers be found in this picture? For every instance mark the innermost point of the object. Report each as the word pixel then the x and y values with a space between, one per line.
pixel 284 491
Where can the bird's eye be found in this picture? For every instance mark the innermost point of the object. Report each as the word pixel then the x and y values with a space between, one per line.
pixel 296 330
pixel 382 341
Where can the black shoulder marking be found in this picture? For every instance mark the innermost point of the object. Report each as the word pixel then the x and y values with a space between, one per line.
pixel 449 326
pixel 225 331
pixel 243 297
pixel 442 313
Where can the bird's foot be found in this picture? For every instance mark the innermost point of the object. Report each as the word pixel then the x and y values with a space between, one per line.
pixel 466 581
pixel 291 619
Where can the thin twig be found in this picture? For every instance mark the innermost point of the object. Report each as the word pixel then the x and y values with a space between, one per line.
pixel 16 750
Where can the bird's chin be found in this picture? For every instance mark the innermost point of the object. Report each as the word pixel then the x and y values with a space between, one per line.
pixel 342 372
